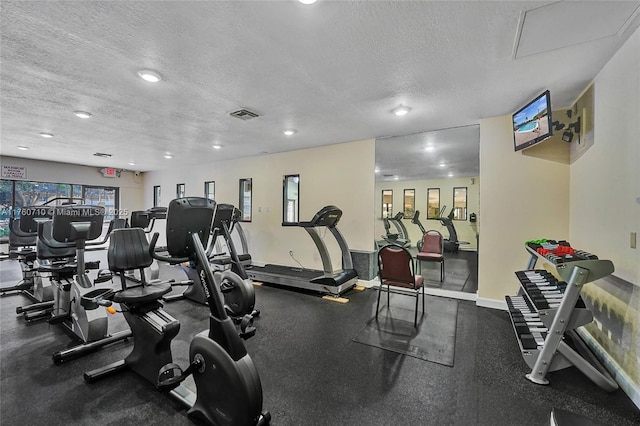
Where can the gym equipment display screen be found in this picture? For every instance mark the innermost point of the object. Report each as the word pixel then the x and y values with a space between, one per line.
pixel 532 123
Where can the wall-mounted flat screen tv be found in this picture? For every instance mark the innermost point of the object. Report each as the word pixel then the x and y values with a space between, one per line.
pixel 532 123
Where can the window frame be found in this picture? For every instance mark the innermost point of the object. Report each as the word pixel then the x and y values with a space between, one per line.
pixel 389 209
pixel 408 213
pixel 242 199
pixel 206 189
pixel 286 200
pixel 456 213
pixel 437 211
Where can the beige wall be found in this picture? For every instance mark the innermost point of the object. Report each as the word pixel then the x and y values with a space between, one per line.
pixel 605 181
pixel 49 171
pixel 340 174
pixel 522 198
pixel 466 230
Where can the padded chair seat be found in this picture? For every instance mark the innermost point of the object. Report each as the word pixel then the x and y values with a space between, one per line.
pixel 429 256
pixel 419 283
pixel 142 294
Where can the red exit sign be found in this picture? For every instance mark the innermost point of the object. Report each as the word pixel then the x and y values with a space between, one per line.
pixel 109 172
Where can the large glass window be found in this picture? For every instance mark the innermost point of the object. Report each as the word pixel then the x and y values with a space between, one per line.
pixel 210 190
pixel 409 202
pixel 245 200
pixel 290 199
pixel 433 203
pixel 156 196
pixel 460 203
pixel 387 203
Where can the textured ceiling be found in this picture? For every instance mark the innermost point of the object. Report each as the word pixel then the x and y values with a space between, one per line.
pixel 333 71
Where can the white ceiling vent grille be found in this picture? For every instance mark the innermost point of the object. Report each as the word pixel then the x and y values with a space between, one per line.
pixel 244 114
pixel 102 154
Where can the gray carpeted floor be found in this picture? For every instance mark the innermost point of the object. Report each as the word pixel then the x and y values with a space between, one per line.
pixel 312 373
pixel 393 329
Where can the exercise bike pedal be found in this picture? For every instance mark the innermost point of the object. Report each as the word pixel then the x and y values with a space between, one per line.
pixel 247 330
pixel 169 377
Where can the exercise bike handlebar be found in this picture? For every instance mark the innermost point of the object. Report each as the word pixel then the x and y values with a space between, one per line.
pixel 169 259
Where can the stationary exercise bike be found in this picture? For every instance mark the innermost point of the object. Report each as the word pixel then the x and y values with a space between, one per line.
pixel 229 391
pixel 76 224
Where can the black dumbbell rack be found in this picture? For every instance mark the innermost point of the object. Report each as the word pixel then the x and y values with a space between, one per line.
pixel 548 308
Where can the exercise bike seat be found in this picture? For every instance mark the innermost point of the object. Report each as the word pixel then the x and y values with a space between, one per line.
pixel 129 250
pixel 141 295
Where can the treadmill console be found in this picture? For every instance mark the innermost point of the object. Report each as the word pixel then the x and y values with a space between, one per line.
pixel 328 216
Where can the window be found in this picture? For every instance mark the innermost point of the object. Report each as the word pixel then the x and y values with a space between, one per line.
pixel 210 190
pixel 102 196
pixel 156 196
pixel 6 205
pixel 290 199
pixel 180 190
pixel 14 195
pixel 460 203
pixel 433 203
pixel 387 203
pixel 409 202
pixel 245 200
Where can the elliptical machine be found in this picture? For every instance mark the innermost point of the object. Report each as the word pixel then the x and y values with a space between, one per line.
pixel 239 296
pixel 229 391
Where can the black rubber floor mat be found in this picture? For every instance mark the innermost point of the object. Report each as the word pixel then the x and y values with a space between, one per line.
pixel 393 330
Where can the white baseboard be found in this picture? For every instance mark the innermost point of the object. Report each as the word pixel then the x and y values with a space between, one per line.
pixel 491 303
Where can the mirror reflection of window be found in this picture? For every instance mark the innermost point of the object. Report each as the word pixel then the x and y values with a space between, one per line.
pixel 210 190
pixel 433 203
pixel 180 190
pixel 156 196
pixel 244 203
pixel 387 203
pixel 460 203
pixel 290 199
pixel 409 202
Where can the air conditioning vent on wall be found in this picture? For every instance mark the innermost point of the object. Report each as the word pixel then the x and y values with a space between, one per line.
pixel 244 114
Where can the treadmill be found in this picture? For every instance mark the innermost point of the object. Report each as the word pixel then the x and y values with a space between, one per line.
pixel 326 281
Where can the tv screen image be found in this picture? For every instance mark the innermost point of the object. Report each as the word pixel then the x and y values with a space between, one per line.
pixel 532 123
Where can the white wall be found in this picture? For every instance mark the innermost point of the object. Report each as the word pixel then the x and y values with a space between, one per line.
pixel 48 171
pixel 340 174
pixel 466 231
pixel 606 180
pixel 521 198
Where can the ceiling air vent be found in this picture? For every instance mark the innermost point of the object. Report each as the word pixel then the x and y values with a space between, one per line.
pixel 244 114
pixel 387 175
pixel 102 154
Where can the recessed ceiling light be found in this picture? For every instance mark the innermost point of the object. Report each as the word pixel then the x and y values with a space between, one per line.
pixel 450 174
pixel 150 76
pixel 216 146
pixel 82 114
pixel 307 1
pixel 131 163
pixel 401 110
pixel 377 170
pixel 442 165
pixel 264 153
pixel 23 148
pixel 429 148
pixel 396 178
pixel 168 155
pixel 46 135
pixel 289 132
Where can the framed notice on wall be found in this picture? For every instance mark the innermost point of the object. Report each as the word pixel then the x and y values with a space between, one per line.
pixel 14 172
